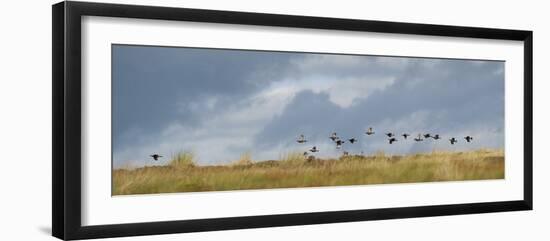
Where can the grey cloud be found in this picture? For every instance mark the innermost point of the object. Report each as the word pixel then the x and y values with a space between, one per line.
pixel 153 86
pixel 223 103
pixel 453 94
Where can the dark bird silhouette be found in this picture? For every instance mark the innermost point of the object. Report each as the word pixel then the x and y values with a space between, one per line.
pixel 352 140
pixel 427 135
pixel 389 134
pixel 339 143
pixel 305 153
pixel 334 136
pixel 436 137
pixel 468 138
pixel 314 149
pixel 392 140
pixel 405 135
pixel 369 131
pixel 156 157
pixel 453 141
pixel 301 139
pixel 419 138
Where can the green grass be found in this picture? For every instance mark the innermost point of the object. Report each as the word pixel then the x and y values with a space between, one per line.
pixel 295 170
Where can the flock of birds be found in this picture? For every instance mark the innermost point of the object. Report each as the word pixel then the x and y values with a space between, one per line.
pixel 339 141
pixel 391 139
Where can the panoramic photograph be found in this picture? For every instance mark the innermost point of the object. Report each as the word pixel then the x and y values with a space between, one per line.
pixel 201 119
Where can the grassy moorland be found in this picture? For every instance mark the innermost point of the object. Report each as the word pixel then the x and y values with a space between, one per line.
pixel 295 170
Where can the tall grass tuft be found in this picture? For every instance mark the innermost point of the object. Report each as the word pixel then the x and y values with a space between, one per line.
pixel 244 160
pixel 293 158
pixel 183 159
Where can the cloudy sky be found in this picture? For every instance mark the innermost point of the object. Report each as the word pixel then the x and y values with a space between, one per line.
pixel 220 104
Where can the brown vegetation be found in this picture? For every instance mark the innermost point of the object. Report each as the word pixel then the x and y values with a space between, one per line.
pixel 296 170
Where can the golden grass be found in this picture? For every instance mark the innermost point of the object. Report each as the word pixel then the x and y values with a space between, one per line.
pixel 296 170
pixel 182 160
pixel 244 160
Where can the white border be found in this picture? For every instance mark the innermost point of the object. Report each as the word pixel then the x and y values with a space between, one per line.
pixel 100 208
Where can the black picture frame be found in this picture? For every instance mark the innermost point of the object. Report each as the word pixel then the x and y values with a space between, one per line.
pixel 66 75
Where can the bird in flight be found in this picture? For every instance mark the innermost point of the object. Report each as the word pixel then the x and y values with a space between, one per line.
pixel 352 140
pixel 436 137
pixel 468 138
pixel 339 143
pixel 392 140
pixel 427 135
pixel 453 141
pixel 389 134
pixel 369 131
pixel 314 149
pixel 301 139
pixel 405 135
pixel 155 157
pixel 334 136
pixel 419 138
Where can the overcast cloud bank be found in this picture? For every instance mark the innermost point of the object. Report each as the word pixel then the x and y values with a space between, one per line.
pixel 223 103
